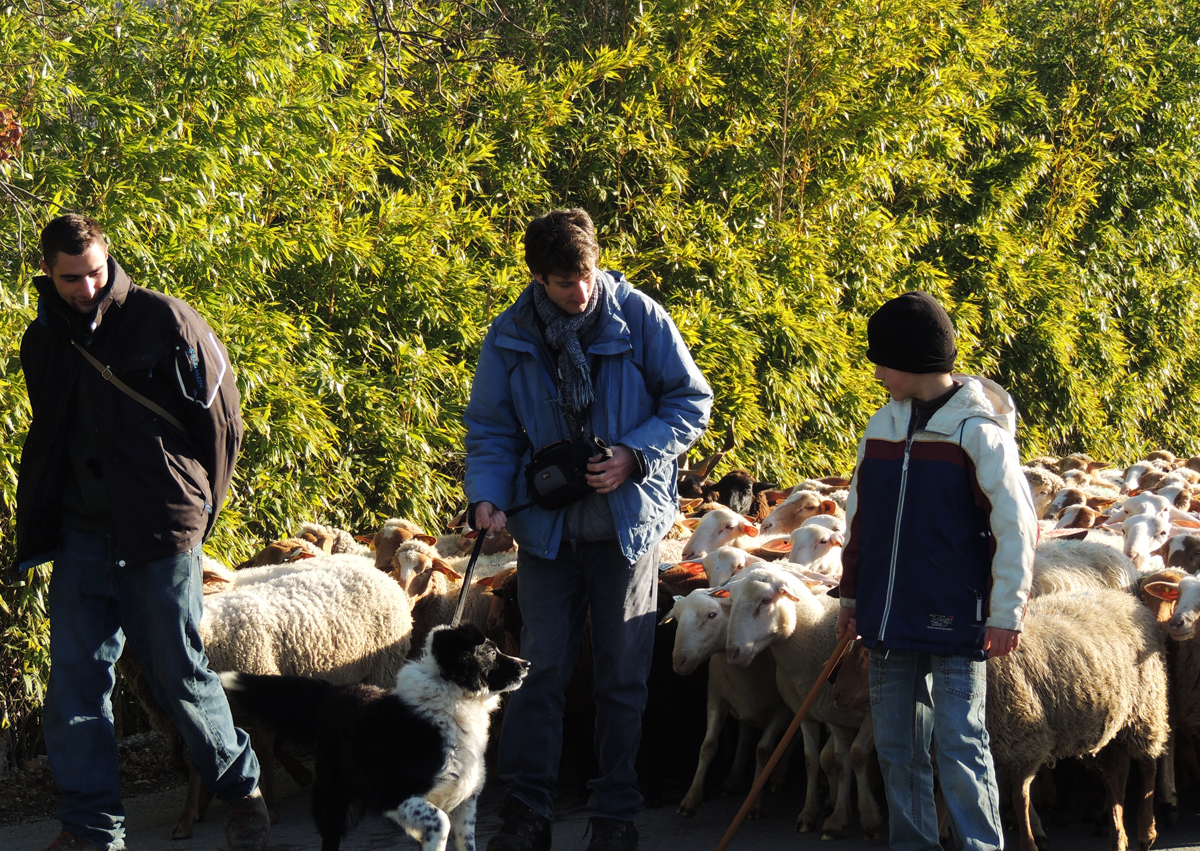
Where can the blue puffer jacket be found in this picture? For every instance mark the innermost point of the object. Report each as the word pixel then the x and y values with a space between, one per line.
pixel 649 396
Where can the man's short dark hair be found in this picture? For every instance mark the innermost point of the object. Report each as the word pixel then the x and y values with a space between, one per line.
pixel 69 234
pixel 562 242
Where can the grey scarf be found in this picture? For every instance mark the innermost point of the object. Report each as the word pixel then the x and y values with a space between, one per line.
pixel 565 335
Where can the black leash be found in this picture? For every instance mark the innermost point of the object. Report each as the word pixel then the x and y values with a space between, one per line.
pixel 470 571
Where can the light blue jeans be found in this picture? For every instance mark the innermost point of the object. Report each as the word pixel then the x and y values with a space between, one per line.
pixel 97 602
pixel 555 596
pixel 917 698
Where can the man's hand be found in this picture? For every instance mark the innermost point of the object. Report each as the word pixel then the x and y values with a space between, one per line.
pixel 607 476
pixel 1000 642
pixel 846 622
pixel 490 519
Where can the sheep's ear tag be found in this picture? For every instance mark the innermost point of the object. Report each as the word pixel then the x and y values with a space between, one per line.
pixel 1168 591
pixel 667 618
pixel 691 522
pixel 425 539
pixel 719 592
pixel 686 505
pixel 779 545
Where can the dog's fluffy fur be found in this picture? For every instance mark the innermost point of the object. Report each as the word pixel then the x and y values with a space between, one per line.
pixel 415 753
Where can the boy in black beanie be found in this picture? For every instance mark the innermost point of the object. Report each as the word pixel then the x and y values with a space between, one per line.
pixel 936 570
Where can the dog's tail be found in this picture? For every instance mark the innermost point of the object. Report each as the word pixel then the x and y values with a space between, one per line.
pixel 292 705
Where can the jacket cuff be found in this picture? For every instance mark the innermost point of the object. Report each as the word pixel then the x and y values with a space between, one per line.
pixel 1005 623
pixel 640 457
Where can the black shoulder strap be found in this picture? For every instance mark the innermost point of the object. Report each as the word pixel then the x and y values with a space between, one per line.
pixel 108 376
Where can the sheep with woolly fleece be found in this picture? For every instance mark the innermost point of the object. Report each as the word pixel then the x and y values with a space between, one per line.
pixel 1183 551
pixel 332 616
pixel 434 594
pixel 717 529
pixel 817 548
pixel 771 608
pixel 1144 535
pixel 793 511
pixel 1088 678
pixel 726 561
pixel 1060 565
pixel 332 540
pixel 1044 485
pixel 1159 591
pixel 394 532
pixel 750 694
pixel 1079 517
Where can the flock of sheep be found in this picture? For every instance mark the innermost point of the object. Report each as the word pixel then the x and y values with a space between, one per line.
pixel 744 596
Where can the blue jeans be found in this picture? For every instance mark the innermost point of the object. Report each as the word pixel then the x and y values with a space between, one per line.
pixel 555 596
pixel 97 601
pixel 918 697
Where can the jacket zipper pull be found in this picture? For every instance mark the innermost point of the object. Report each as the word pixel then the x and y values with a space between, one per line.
pixel 978 606
pixel 907 450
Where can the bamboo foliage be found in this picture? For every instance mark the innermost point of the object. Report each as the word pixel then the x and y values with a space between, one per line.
pixel 341 188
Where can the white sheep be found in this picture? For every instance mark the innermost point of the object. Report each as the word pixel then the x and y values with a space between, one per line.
pixel 750 694
pixel 772 608
pixel 718 528
pixel 333 616
pixel 818 549
pixel 724 562
pixel 1061 565
pixel 1043 486
pixel 797 508
pixel 1088 678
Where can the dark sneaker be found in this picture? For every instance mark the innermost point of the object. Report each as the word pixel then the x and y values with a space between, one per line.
pixel 68 841
pixel 523 830
pixel 247 823
pixel 612 834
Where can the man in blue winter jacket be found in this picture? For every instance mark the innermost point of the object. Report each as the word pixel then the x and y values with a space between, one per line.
pixel 581 354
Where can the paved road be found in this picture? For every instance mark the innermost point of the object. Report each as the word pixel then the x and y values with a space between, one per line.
pixel 151 817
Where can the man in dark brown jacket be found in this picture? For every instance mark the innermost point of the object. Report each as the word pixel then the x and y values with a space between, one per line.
pixel 133 441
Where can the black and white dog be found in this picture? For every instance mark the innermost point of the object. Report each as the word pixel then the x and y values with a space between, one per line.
pixel 414 753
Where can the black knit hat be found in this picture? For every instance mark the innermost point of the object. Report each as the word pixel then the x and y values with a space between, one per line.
pixel 912 333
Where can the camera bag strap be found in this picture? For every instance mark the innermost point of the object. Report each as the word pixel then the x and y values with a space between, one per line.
pixel 107 374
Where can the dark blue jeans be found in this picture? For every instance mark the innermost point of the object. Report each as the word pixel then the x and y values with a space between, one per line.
pixel 556 596
pixel 97 602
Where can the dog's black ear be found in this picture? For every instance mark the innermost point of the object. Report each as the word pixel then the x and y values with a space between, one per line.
pixel 460 654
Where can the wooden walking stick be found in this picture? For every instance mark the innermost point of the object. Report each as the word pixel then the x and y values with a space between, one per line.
pixel 801 714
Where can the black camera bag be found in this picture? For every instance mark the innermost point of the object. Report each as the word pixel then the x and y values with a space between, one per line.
pixel 557 473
